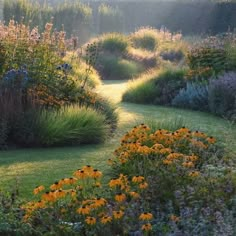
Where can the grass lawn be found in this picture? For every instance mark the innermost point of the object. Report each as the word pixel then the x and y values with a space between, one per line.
pixel 31 167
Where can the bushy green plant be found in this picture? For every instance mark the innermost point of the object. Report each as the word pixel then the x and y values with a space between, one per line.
pixel 141 90
pixel 194 96
pixel 68 126
pixel 145 38
pixel 114 43
pixel 216 53
pixel 117 68
pixel 160 87
pixel 222 98
pixel 71 125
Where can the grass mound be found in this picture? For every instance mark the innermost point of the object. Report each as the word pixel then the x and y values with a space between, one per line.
pixel 118 68
pixel 145 38
pixel 156 86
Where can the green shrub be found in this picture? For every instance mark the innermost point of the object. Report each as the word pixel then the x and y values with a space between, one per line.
pixel 160 87
pixel 110 19
pixel 222 97
pixel 114 43
pixel 141 90
pixel 71 125
pixel 118 68
pixel 145 38
pixel 194 96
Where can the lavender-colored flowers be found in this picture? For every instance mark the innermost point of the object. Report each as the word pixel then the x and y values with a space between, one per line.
pixel 222 96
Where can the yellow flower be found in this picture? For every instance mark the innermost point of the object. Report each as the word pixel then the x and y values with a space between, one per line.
pixel 39 189
pixel 99 202
pixel 87 169
pixel 48 196
pixel 72 180
pixel 80 174
pixel 167 162
pixel 106 219
pixel 115 182
pixel 165 151
pixel 137 179
pixel 143 185
pixel 90 220
pixel 96 174
pixel 84 210
pixel 211 140
pixel 174 155
pixel 55 186
pixel 118 214
pixel 120 197
pixel 146 216
pixel 147 227
pixel 60 193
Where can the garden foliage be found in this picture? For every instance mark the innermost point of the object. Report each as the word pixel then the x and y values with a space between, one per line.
pixel 163 181
pixel 37 78
pixel 194 96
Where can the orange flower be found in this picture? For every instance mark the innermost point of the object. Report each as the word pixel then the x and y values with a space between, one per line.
pixel 137 179
pixel 87 169
pixel 143 185
pixel 80 174
pixel 84 210
pixel 55 186
pixel 147 227
pixel 120 197
pixel 99 202
pixel 90 220
pixel 146 216
pixel 211 140
pixel 96 174
pixel 106 219
pixel 118 214
pixel 38 189
pixel 115 182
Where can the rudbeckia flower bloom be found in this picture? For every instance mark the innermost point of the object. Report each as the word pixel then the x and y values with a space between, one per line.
pixel 120 197
pixel 147 227
pixel 146 216
pixel 96 174
pixel 106 219
pixel 85 210
pixel 87 169
pixel 115 182
pixel 118 214
pixel 99 202
pixel 137 179
pixel 80 174
pixel 90 220
pixel 38 189
pixel 143 185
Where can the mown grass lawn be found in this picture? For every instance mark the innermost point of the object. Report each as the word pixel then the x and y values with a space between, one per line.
pixel 30 167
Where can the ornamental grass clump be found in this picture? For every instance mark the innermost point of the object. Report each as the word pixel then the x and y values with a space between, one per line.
pixel 83 200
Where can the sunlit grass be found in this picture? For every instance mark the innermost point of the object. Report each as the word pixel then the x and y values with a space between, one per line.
pixel 32 167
